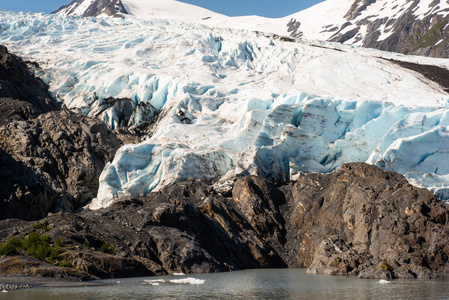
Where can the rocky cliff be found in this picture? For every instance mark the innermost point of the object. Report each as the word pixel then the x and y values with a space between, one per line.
pixel 50 158
pixel 359 220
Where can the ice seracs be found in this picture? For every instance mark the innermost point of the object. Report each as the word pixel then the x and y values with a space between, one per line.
pixel 228 102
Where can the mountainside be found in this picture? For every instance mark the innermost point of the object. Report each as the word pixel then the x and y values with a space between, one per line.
pixel 143 9
pixel 403 26
pixel 93 8
pixel 213 103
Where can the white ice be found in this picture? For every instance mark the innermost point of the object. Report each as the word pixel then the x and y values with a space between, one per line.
pixel 189 280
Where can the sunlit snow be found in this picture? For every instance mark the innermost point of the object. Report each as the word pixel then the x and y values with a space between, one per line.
pixel 231 102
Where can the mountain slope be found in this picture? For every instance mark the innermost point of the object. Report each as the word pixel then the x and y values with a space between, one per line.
pixel 93 8
pixel 404 26
pixel 170 9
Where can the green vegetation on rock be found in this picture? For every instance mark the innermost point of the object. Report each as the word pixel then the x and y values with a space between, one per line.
pixel 41 225
pixel 35 245
pixel 11 247
pixel 106 248
pixel 431 37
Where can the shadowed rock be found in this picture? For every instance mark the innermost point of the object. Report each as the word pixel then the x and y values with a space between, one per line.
pixel 49 159
pixel 22 95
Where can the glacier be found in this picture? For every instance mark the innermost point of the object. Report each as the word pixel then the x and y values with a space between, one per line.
pixel 228 102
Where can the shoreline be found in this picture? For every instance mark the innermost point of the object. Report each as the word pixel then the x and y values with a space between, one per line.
pixel 24 282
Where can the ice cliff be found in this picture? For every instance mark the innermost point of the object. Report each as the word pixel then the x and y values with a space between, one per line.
pixel 229 102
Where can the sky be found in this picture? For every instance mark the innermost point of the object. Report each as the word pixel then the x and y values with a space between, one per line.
pixel 265 8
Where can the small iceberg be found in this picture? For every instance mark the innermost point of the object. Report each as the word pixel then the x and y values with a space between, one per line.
pixel 154 282
pixel 382 281
pixel 188 280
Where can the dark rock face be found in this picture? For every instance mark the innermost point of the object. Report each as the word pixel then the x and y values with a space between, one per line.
pixel 363 221
pixel 25 192
pixel 124 116
pixel 49 159
pixel 359 220
pixel 293 28
pixel 183 228
pixel 68 150
pixel 113 8
pixel 22 95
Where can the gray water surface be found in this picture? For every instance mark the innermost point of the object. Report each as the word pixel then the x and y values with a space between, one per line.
pixel 252 284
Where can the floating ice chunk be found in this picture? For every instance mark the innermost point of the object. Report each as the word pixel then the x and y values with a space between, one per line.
pixel 189 280
pixel 382 281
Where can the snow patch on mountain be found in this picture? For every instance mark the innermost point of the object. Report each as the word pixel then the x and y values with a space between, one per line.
pixel 168 9
pixel 231 102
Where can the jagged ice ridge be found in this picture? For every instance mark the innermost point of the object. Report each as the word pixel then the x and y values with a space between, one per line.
pixel 230 102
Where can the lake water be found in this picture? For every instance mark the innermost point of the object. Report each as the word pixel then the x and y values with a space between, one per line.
pixel 269 284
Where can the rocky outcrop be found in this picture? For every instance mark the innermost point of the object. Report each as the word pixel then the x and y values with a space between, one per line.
pixel 68 151
pixel 407 33
pixel 22 95
pixel 104 265
pixel 434 73
pixel 49 159
pixel 359 220
pixel 28 266
pixel 364 221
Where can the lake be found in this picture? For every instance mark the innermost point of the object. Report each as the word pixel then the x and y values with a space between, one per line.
pixel 251 284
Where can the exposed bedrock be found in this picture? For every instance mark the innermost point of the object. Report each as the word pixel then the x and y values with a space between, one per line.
pixel 49 159
pixel 364 221
pixel 66 151
pixel 358 220
pixel 22 95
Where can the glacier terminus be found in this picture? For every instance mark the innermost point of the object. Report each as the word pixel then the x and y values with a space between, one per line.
pixel 227 102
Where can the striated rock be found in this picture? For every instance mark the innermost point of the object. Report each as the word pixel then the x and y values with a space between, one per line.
pixel 70 149
pixel 362 220
pixel 259 201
